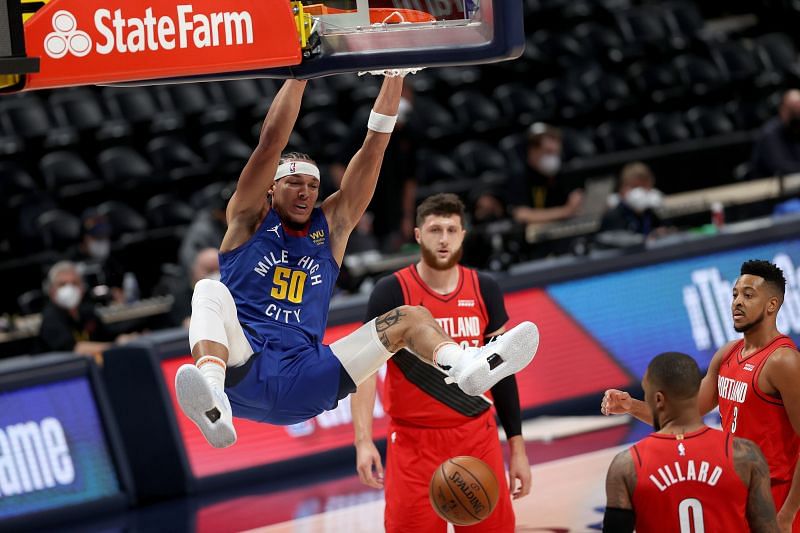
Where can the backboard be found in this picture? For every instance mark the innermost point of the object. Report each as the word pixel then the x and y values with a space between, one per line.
pixel 79 42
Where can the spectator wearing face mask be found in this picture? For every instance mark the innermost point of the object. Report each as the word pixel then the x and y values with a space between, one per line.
pixel 205 266
pixel 538 196
pixel 634 205
pixel 777 149
pixel 69 322
pixel 100 270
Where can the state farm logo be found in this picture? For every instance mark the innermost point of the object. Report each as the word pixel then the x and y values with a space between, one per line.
pixel 66 37
pixel 119 34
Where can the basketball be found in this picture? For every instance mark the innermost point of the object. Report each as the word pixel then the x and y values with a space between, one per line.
pixel 463 490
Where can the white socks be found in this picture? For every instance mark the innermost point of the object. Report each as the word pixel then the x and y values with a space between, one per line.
pixel 446 354
pixel 213 370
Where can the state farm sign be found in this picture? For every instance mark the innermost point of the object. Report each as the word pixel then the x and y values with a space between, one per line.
pixel 97 42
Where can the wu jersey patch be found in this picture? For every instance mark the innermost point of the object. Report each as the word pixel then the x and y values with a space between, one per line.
pixel 318 237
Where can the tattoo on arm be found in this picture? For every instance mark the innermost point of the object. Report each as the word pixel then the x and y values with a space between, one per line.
pixel 760 506
pixel 382 325
pixel 387 343
pixel 620 481
pixel 385 321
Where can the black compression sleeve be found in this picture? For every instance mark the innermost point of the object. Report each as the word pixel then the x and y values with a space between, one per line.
pixel 495 306
pixel 618 520
pixel 506 401
pixel 386 295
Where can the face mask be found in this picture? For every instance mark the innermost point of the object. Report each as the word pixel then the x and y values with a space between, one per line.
pixel 214 275
pixel 403 110
pixel 99 249
pixel 640 199
pixel 549 165
pixel 68 296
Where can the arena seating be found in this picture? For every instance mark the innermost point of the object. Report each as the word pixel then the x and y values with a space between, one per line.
pixel 626 79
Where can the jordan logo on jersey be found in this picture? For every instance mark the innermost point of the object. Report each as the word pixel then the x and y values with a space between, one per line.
pixel 730 389
pixel 275 229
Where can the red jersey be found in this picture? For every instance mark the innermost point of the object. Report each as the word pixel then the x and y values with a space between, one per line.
pixel 414 391
pixel 688 484
pixel 748 412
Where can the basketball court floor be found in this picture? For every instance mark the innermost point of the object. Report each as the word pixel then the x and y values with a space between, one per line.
pixel 569 458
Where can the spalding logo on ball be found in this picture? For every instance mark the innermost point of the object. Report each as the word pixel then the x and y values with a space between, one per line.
pixel 463 490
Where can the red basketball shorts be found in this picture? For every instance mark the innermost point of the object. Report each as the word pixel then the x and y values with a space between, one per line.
pixel 412 455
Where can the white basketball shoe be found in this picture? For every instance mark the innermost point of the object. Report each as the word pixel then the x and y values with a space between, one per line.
pixel 206 406
pixel 481 368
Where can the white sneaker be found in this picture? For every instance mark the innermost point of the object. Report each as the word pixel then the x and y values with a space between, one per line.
pixel 515 349
pixel 206 406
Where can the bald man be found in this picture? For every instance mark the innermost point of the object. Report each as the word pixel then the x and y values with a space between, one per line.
pixel 777 149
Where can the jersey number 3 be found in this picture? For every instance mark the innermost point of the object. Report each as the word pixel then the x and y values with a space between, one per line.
pixel 288 284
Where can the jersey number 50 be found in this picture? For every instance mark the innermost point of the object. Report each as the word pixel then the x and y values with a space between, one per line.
pixel 288 284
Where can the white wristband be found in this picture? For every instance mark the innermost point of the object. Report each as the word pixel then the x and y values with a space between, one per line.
pixel 381 123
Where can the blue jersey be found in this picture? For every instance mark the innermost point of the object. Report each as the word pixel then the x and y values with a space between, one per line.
pixel 282 281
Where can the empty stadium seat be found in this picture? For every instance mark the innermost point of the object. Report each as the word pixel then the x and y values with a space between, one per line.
pixel 514 148
pixel 699 74
pixel 225 151
pixel 139 107
pixel 577 144
pixel 166 210
pixel 122 217
pixel 684 23
pixel 657 82
pixel 58 229
pixel 474 111
pixel 736 61
pixel 25 116
pixel 519 103
pixel 436 122
pixel 81 109
pixel 435 167
pixel 66 174
pixel 644 30
pixel 32 301
pixel 15 180
pixel 174 157
pixel 193 101
pixel 622 135
pixel 325 133
pixel 125 169
pixel 477 157
pixel 709 121
pixel 664 128
pixel 778 56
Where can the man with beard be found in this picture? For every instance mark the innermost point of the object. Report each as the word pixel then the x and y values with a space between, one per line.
pixel 256 335
pixel 430 420
pixel 686 476
pixel 755 383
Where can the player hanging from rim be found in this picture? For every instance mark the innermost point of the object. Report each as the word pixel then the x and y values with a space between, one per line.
pixel 686 476
pixel 755 383
pixel 256 336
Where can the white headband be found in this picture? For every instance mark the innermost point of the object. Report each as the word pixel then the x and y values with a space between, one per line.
pixel 296 167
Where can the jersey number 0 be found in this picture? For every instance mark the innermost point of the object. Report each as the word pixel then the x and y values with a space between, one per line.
pixel 288 284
